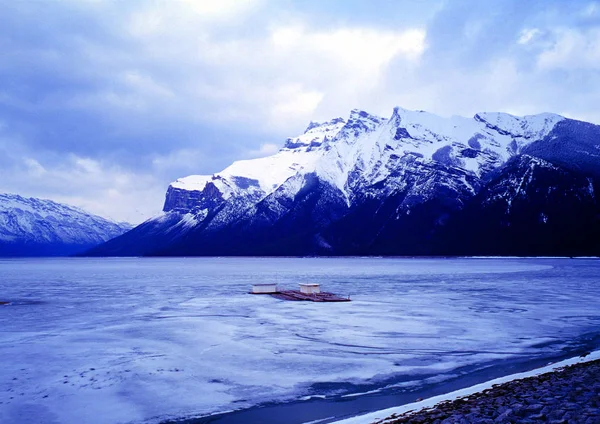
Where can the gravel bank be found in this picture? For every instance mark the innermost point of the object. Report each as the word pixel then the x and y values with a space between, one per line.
pixel 567 395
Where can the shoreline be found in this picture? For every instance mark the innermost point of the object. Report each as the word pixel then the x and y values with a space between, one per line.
pixel 352 408
pixel 431 409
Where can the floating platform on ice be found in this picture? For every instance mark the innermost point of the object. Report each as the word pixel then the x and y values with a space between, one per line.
pixel 314 297
pixel 307 292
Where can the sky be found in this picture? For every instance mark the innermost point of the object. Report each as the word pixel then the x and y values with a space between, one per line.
pixel 104 103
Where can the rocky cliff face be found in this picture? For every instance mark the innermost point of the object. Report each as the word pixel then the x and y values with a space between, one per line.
pixel 36 227
pixel 371 185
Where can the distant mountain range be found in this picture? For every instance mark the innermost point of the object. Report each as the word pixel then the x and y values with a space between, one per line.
pixel 411 184
pixel 36 227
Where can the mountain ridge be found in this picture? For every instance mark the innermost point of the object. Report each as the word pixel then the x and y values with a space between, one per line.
pixel 350 186
pixel 41 227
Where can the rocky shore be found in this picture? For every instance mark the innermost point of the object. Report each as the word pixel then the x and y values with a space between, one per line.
pixel 567 395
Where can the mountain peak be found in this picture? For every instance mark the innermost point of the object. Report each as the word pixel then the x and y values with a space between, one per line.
pixel 314 124
pixel 358 114
pixel 360 121
pixel 315 134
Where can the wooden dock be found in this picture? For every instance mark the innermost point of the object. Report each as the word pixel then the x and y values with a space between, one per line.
pixel 296 295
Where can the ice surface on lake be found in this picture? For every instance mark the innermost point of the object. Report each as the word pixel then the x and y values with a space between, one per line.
pixel 139 340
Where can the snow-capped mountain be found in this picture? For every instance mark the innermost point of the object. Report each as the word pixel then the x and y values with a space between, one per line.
pixel 36 227
pixel 373 185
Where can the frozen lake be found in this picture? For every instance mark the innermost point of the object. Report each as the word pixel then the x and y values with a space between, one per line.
pixel 147 340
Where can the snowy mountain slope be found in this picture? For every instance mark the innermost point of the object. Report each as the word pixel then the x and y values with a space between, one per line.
pixel 32 227
pixel 366 143
pixel 260 177
pixel 364 185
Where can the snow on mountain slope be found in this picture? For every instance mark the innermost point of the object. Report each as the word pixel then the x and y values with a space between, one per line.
pixel 357 153
pixel 34 222
pixel 333 149
pixel 268 173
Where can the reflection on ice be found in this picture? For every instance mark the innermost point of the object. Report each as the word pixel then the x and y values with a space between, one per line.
pixel 122 340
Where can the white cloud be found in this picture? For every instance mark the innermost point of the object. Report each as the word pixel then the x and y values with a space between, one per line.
pixel 292 101
pixel 299 73
pixel 34 168
pixel 266 149
pixel 219 9
pixel 356 46
pixel 184 160
pixel 275 79
pixel 146 23
pixel 572 48
pixel 527 35
pixel 165 18
pixel 591 10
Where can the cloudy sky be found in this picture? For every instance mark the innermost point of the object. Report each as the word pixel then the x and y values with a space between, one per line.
pixel 103 103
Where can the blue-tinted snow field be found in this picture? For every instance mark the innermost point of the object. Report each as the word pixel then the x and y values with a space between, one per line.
pixel 145 340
